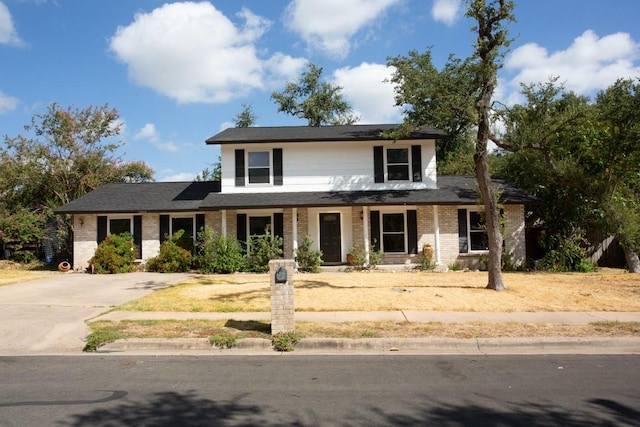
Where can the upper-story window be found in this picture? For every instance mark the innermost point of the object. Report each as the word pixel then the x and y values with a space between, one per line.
pixel 259 167
pixel 395 163
pixel 398 164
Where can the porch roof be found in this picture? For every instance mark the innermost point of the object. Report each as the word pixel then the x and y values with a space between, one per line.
pixel 142 197
pixel 195 196
pixel 452 190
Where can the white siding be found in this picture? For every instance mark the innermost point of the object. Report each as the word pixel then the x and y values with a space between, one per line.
pixel 327 166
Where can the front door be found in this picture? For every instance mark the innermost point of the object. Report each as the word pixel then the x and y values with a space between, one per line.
pixel 330 243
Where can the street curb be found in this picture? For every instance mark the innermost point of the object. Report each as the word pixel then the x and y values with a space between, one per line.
pixel 546 345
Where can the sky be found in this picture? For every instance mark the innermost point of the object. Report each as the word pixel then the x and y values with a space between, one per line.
pixel 179 72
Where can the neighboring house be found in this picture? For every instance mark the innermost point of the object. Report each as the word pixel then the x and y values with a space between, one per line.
pixel 343 186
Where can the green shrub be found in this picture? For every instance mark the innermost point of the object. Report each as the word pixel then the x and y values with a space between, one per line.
pixel 308 259
pixel 172 258
pixel 566 254
pixel 454 266
pixel 218 254
pixel 284 341
pixel 116 254
pixel 426 259
pixel 99 338
pixel 223 340
pixel 263 249
pixel 359 257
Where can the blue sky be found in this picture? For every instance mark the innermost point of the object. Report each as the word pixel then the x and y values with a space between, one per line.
pixel 178 72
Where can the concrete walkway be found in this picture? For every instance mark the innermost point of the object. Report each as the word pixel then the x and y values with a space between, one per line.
pixel 557 318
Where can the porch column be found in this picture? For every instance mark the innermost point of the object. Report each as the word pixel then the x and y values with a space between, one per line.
pixel 294 233
pixel 365 232
pixel 223 225
pixel 436 234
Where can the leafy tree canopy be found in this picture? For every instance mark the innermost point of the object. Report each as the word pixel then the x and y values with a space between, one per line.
pixel 64 154
pixel 320 103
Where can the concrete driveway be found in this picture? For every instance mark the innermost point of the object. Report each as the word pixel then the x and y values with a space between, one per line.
pixel 47 316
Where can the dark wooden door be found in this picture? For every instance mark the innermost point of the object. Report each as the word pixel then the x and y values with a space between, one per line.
pixel 330 242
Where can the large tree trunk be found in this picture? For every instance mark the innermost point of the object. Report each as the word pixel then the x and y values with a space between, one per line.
pixel 633 262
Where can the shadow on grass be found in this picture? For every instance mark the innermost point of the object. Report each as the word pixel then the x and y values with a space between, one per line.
pixel 249 325
pixel 315 284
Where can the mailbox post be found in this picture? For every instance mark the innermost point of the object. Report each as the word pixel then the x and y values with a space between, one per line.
pixel 282 308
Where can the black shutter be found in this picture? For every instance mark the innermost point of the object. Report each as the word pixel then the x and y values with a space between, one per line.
pixel 378 164
pixel 416 163
pixel 164 228
pixel 412 231
pixel 278 227
pixel 277 166
pixel 199 223
pixel 374 219
pixel 239 168
pixel 463 241
pixel 241 230
pixel 137 235
pixel 102 229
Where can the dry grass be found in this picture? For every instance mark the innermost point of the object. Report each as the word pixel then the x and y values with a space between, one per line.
pixel 13 272
pixel 606 290
pixel 240 329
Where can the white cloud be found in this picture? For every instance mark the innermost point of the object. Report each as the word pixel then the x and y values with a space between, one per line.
pixel 446 11
pixel 329 25
pixel 191 52
pixel 7 103
pixel 8 33
pixel 371 97
pixel 590 64
pixel 149 133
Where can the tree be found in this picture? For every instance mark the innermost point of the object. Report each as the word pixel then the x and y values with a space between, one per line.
pixel 320 103
pixel 245 118
pixel 492 39
pixel 581 159
pixel 438 98
pixel 66 154
pixel 459 98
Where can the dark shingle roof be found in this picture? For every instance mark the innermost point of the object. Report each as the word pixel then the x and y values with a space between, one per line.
pixel 192 196
pixel 149 197
pixel 315 134
pixel 452 190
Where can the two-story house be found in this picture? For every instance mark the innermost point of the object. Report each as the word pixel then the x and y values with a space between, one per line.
pixel 343 186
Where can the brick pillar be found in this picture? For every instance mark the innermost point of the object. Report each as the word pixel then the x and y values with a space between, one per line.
pixel 282 307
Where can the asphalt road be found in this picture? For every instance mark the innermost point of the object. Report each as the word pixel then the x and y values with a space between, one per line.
pixel 285 389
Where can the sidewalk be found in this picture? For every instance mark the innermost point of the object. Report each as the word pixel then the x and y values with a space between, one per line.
pixel 481 346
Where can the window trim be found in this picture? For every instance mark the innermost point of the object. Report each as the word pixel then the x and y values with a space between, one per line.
pixel 479 210
pixel 248 168
pixel 405 232
pixel 112 217
pixel 408 163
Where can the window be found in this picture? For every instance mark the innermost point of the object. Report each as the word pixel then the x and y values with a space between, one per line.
pixel 186 224
pixel 478 232
pixel 393 233
pixel 259 167
pixel 257 225
pixel 120 225
pixel 398 164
